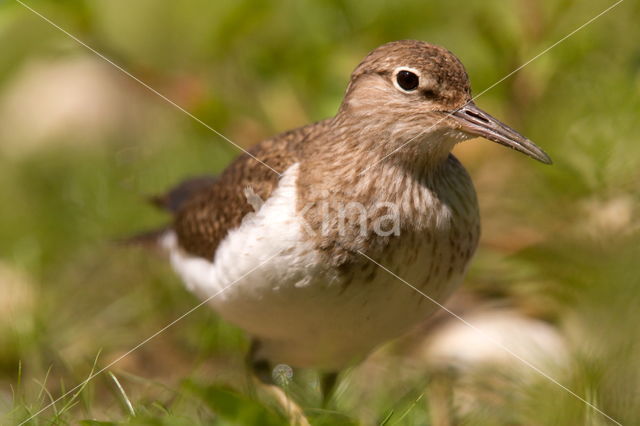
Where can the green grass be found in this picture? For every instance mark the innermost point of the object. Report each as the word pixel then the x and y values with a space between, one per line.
pixel 560 242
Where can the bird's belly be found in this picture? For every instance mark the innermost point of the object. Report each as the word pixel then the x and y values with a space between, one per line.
pixel 269 279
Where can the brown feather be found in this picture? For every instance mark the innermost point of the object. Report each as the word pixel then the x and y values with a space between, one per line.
pixel 206 218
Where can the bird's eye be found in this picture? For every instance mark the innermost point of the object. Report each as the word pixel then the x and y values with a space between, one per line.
pixel 407 80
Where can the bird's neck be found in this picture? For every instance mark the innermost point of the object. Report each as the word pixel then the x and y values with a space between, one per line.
pixel 366 142
pixel 369 161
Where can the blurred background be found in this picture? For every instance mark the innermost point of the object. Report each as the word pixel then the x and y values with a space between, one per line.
pixel 556 278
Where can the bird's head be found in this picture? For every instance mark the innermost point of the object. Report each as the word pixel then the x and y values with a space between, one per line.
pixel 420 92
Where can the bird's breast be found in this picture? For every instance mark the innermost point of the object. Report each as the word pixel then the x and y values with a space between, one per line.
pixel 273 277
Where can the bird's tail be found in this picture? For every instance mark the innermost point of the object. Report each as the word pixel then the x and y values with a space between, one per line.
pixel 171 202
pixel 148 239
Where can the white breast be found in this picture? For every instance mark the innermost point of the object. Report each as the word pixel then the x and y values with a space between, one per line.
pixel 303 313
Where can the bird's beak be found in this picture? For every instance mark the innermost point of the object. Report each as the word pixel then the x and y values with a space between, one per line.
pixel 477 122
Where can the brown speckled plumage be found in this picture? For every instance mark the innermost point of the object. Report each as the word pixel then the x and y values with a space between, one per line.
pixel 206 218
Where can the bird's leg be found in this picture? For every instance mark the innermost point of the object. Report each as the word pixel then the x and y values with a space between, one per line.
pixel 327 386
pixel 262 371
pixel 260 367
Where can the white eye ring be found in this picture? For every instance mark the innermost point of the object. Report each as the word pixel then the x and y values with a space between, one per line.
pixel 409 70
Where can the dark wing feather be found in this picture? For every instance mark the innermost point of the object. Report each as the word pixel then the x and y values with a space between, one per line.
pixel 170 201
pixel 173 200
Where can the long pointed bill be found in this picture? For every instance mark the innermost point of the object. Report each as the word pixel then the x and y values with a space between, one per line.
pixel 477 122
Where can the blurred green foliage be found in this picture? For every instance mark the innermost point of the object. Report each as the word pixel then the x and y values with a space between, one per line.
pixel 561 241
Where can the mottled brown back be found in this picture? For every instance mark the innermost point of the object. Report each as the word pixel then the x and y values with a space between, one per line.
pixel 203 220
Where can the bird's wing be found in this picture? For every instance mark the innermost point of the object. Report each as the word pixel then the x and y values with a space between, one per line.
pixel 211 211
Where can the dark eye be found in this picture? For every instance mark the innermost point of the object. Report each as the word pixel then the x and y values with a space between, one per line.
pixel 407 80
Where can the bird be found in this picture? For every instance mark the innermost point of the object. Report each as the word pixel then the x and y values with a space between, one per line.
pixel 286 242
